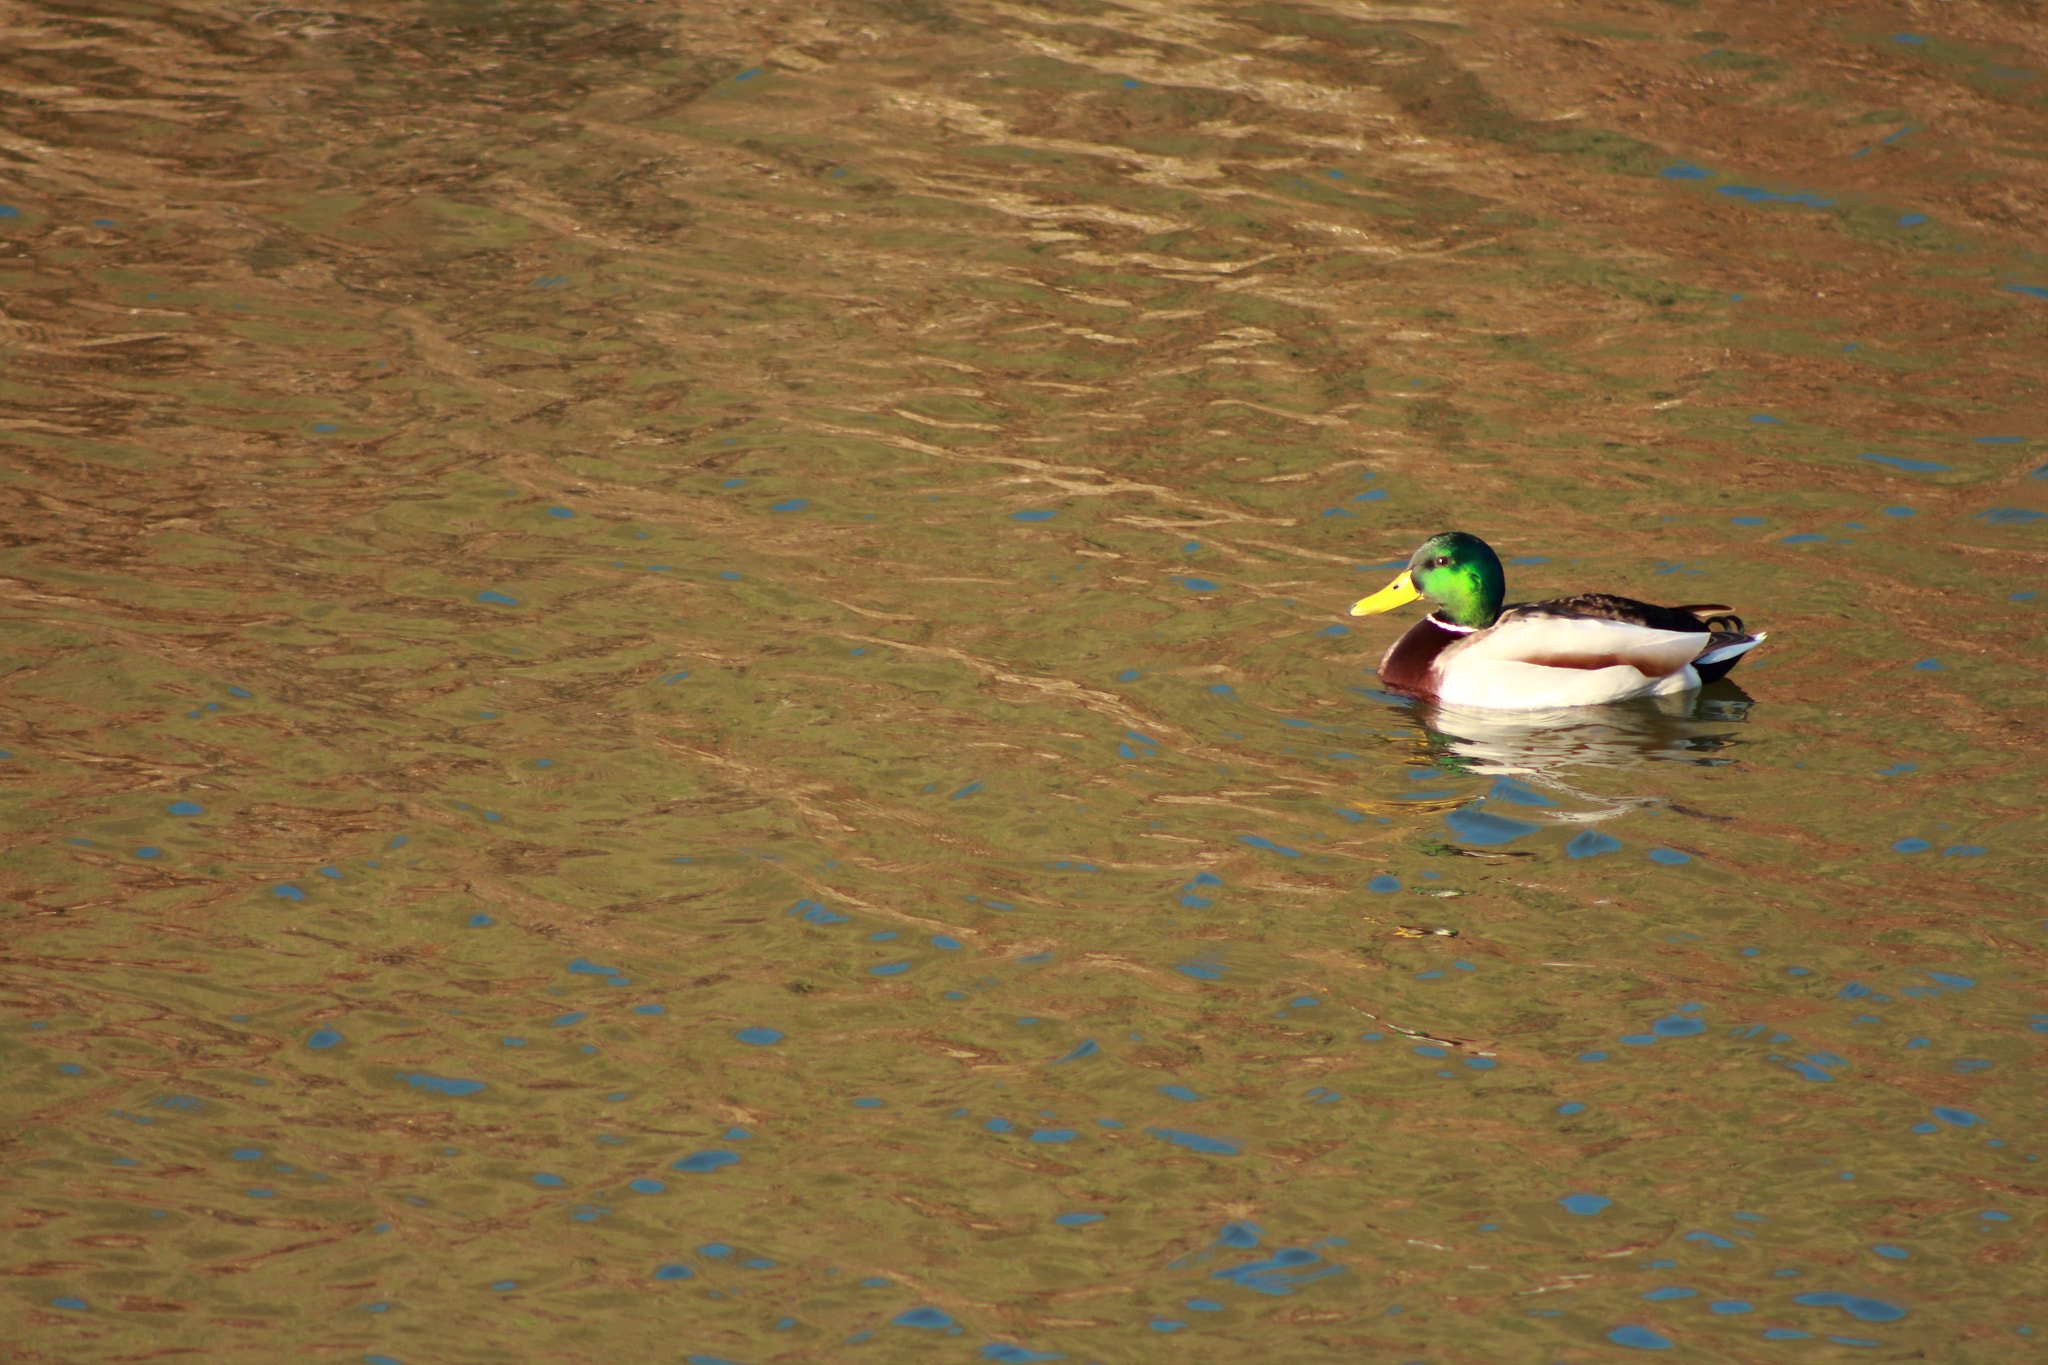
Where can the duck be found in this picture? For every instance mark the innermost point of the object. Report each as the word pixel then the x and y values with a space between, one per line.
pixel 1585 650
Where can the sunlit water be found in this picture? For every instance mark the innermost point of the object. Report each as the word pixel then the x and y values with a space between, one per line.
pixel 679 686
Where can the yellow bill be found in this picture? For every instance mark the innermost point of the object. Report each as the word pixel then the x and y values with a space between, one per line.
pixel 1401 590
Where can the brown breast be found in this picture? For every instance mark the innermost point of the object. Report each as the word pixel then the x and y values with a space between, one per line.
pixel 1408 663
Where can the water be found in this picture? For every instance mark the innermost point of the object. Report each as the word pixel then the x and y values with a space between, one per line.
pixel 681 689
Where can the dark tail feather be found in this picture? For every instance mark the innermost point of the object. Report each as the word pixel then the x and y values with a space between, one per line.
pixel 1730 646
pixel 1715 616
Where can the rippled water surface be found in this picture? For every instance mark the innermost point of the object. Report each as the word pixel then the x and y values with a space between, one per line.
pixel 679 687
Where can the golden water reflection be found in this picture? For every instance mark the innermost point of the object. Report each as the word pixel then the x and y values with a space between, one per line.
pixel 679 689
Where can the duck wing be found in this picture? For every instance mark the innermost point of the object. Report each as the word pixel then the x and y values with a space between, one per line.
pixel 1605 606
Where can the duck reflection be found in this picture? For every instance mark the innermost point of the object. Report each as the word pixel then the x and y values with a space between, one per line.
pixel 1534 752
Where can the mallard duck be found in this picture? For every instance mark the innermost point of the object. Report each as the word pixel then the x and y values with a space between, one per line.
pixel 1571 651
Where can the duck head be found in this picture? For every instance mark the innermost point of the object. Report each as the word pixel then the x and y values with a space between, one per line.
pixel 1460 573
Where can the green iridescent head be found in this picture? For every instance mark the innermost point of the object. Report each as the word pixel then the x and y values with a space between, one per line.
pixel 1457 571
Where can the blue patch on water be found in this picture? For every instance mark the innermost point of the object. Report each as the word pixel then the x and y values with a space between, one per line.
pixel 942 941
pixel 1960 1118
pixel 1685 170
pixel 811 912
pixel 1804 538
pixel 443 1085
pixel 1256 842
pixel 498 597
pixel 1856 1306
pixel 1911 846
pixel 1179 1092
pixel 889 969
pixel 323 1038
pixel 1746 521
pixel 1671 1292
pixel 1912 220
pixel 1087 1049
pixel 705 1161
pixel 565 1020
pixel 759 1037
pixel 1477 827
pixel 1901 512
pixel 185 808
pixel 1670 857
pixel 1507 789
pixel 970 789
pixel 2010 516
pixel 1642 1338
pixel 290 893
pixel 1753 195
pixel 1005 1354
pixel 792 505
pixel 1033 514
pixel 1963 851
pixel 1194 1142
pixel 1571 1107
pixel 546 1179
pixel 1287 1270
pixel 1586 1205
pixel 1054 1135
pixel 1911 466
pixel 585 967
pixel 1591 844
pixel 922 1317
pixel 1718 1243
pixel 1384 884
pixel 1677 1026
pixel 646 1186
